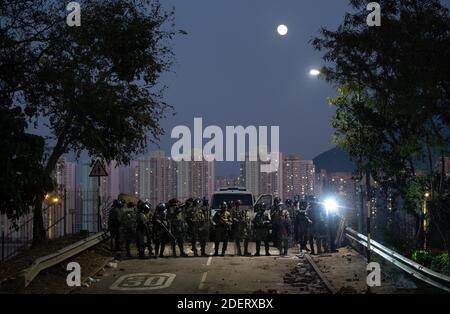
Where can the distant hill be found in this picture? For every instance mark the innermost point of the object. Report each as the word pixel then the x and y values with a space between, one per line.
pixel 334 160
pixel 337 160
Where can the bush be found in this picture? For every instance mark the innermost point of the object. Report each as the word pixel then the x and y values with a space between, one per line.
pixel 438 263
pixel 422 257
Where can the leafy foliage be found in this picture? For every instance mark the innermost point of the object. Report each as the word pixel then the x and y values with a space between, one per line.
pixel 23 176
pixel 393 106
pixel 95 87
pixel 436 262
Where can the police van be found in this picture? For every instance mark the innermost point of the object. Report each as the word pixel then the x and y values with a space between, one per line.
pixel 238 193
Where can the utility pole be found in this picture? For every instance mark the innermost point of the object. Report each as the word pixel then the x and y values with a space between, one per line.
pixel 65 211
pixel 99 202
pixel 361 209
pixel 369 214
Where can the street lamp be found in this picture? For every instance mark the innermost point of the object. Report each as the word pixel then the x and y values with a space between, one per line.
pixel 424 218
pixel 314 72
pixel 51 200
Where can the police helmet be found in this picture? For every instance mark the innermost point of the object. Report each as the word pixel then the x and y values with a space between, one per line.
pixel 189 202
pixel 141 205
pixel 173 202
pixel 161 207
pixel 224 205
pixel 277 201
pixel 146 207
pixel 117 203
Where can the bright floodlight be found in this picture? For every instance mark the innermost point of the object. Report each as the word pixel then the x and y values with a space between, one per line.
pixel 282 30
pixel 314 72
pixel 331 205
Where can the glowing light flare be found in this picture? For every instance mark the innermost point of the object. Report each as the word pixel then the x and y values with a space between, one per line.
pixel 331 205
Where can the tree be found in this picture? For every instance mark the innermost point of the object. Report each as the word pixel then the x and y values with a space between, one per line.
pixel 393 104
pixel 96 86
pixel 22 175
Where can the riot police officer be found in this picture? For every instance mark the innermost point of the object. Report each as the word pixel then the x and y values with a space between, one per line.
pixel 115 224
pixel 276 204
pixel 143 229
pixel 261 227
pixel 318 218
pixel 189 212
pixel 302 225
pixel 240 227
pixel 200 228
pixel 333 221
pixel 161 229
pixel 177 226
pixel 222 222
pixel 289 206
pixel 129 226
pixel 281 225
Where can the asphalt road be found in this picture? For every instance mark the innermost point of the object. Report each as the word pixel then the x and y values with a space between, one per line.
pixel 229 274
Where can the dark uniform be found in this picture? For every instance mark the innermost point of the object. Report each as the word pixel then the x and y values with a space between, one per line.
pixel 200 228
pixel 161 229
pixel 261 227
pixel 222 221
pixel 289 206
pixel 333 225
pixel 143 229
pixel 281 226
pixel 302 226
pixel 129 226
pixel 319 228
pixel 115 224
pixel 177 226
pixel 240 227
pixel 188 214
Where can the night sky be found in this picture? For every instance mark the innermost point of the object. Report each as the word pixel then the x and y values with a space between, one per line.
pixel 234 69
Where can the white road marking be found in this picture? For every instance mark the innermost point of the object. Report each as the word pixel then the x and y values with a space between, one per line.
pixel 208 263
pixel 202 282
pixel 143 281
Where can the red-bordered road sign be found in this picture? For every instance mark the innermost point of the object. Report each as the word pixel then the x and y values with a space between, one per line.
pixel 98 170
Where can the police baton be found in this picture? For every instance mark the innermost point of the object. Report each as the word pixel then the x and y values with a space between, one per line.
pixel 167 230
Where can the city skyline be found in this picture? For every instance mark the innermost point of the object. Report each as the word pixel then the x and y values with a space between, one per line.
pixel 156 173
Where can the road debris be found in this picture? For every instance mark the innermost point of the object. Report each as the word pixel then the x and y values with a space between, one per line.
pixel 305 278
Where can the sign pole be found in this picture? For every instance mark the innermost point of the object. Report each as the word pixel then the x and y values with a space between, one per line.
pixel 98 170
pixel 99 221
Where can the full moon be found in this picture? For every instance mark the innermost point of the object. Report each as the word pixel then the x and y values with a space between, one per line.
pixel 282 30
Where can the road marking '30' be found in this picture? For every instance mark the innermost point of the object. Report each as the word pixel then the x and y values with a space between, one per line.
pixel 143 281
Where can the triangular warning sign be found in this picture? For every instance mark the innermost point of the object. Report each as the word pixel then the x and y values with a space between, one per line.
pixel 98 170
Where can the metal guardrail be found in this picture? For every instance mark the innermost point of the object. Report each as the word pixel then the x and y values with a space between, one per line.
pixel 61 255
pixel 414 269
